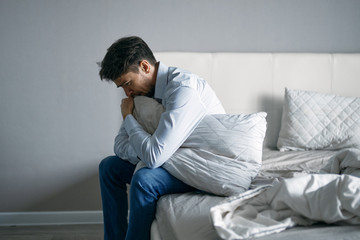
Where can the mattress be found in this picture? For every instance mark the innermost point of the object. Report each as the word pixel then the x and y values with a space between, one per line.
pixel 187 216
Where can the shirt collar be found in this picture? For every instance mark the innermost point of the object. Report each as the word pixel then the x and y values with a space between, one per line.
pixel 161 81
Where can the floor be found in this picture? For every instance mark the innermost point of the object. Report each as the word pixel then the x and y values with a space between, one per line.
pixel 54 232
pixel 95 232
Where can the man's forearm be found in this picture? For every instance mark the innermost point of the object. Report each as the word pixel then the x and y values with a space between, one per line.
pixel 173 129
pixel 123 149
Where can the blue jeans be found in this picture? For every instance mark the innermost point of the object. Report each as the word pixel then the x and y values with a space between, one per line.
pixel 146 187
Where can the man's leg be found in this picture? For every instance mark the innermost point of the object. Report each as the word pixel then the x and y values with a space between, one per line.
pixel 147 186
pixel 114 173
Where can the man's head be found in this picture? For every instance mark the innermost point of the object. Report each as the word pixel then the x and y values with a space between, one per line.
pixel 130 63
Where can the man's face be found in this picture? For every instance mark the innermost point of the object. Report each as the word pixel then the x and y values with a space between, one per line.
pixel 135 84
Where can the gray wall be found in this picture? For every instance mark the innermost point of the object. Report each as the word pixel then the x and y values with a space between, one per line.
pixel 58 120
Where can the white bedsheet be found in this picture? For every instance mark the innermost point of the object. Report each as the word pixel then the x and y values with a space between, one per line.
pixel 187 216
pixel 302 200
pixel 345 162
pixel 278 164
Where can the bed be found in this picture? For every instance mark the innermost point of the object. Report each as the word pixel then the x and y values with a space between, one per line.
pixel 308 185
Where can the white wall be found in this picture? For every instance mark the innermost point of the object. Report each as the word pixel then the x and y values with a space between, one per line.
pixel 58 120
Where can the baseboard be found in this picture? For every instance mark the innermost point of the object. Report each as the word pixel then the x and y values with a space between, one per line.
pixel 50 218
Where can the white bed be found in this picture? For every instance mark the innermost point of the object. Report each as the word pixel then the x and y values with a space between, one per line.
pixel 248 83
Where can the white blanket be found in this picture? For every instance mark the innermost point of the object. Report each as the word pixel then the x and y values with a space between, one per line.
pixel 221 156
pixel 303 200
pixel 345 162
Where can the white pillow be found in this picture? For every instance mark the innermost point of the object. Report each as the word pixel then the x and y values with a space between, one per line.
pixel 313 121
pixel 221 156
pixel 147 112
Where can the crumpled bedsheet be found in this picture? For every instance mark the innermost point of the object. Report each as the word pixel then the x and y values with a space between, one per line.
pixel 304 200
pixel 345 162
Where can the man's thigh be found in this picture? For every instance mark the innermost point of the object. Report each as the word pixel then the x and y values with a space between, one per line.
pixel 159 181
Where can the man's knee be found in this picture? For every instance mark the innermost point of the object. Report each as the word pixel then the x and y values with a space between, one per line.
pixel 145 180
pixel 139 179
pixel 107 164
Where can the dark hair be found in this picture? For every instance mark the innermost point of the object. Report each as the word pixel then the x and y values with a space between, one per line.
pixel 124 56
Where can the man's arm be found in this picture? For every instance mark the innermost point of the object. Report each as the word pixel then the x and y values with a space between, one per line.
pixel 122 148
pixel 184 110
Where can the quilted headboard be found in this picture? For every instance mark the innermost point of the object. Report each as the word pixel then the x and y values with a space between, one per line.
pixel 252 82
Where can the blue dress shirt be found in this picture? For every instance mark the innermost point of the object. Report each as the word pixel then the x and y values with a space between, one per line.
pixel 187 98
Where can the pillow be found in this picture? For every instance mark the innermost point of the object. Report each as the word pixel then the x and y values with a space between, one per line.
pixel 221 156
pixel 147 112
pixel 314 121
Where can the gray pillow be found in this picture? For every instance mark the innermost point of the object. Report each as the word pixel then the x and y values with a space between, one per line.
pixel 313 121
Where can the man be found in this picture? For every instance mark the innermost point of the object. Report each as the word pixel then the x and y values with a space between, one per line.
pixel 130 64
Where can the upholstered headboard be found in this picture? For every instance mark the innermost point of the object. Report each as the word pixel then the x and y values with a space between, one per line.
pixel 252 82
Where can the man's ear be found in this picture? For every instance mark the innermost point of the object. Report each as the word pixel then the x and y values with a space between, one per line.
pixel 145 66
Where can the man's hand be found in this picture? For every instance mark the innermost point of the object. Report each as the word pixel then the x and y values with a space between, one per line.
pixel 127 106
